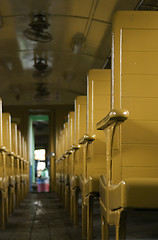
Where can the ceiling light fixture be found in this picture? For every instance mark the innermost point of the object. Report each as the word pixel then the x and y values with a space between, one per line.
pixel 77 42
pixel 42 69
pixel 36 31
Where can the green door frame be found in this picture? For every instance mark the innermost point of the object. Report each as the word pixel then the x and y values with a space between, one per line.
pixel 33 118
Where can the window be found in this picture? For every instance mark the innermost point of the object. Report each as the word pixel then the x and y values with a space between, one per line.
pixel 40 154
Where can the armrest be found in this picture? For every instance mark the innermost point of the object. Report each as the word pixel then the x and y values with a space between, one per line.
pixel 86 138
pixel 3 148
pixel 68 152
pixel 74 147
pixel 116 116
pixel 58 160
pixel 63 156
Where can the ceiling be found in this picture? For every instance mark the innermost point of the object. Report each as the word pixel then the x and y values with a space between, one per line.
pixel 81 40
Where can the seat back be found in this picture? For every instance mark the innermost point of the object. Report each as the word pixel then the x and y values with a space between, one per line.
pixel 66 136
pixel 19 153
pixel 66 149
pixel 14 132
pixel 1 140
pixel 14 138
pixel 27 160
pixel 71 117
pixel 1 131
pixel 22 156
pixel 6 121
pixel 61 154
pixel 57 164
pixel 19 143
pixel 14 145
pixel 98 104
pixel 135 84
pixel 26 173
pixel 22 147
pixel 79 131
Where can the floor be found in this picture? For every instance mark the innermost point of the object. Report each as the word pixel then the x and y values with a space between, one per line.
pixel 42 217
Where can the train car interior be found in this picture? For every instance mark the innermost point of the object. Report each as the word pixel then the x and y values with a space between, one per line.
pixel 78 119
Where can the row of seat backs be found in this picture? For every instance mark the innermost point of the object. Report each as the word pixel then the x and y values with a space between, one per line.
pixel 133 87
pixel 88 111
pixel 10 136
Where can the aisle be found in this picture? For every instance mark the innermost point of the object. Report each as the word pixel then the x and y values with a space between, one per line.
pixel 40 216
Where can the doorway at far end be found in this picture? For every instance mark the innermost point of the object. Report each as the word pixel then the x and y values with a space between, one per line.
pixel 39 161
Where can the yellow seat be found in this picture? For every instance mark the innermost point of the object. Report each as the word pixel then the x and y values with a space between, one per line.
pixel 17 170
pixel 98 103
pixel 21 167
pixel 76 149
pixel 14 132
pixel 62 163
pixel 4 179
pixel 10 180
pixel 14 154
pixel 66 166
pixel 57 157
pixel 63 157
pixel 131 176
pixel 57 164
pixel 60 119
pixel 68 155
pixel 26 169
pixel 61 170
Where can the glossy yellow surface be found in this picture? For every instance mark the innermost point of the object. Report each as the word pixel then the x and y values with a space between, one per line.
pixel 69 158
pixel 14 138
pixel 67 152
pixel 98 103
pixel 9 170
pixel 63 166
pixel 6 123
pixel 61 176
pixel 77 154
pixel 80 129
pixel 4 179
pixel 26 169
pixel 22 179
pixel 17 169
pixel 131 176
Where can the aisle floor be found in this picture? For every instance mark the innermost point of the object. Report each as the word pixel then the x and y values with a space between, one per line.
pixel 41 216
